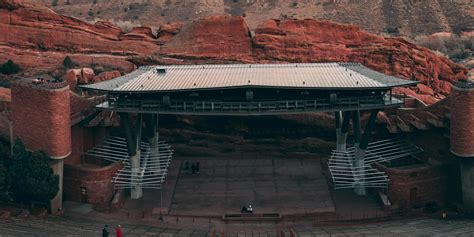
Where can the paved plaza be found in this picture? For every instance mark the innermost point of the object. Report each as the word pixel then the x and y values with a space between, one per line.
pixel 70 226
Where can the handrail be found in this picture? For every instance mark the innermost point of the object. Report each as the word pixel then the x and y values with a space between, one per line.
pixel 252 106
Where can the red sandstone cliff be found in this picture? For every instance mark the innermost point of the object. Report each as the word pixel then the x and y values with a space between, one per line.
pixel 38 39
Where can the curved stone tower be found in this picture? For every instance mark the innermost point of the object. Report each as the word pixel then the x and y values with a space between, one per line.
pixel 41 118
pixel 462 136
pixel 462 119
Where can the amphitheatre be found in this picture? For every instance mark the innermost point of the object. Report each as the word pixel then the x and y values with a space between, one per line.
pixel 324 128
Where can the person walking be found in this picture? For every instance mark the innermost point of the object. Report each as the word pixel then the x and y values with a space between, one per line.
pixel 118 231
pixel 105 232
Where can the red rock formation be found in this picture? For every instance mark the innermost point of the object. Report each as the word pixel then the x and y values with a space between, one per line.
pixel 104 76
pixel 216 36
pixel 36 37
pixel 140 33
pixel 167 31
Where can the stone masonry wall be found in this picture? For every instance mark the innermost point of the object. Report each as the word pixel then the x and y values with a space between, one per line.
pixel 462 122
pixel 41 118
pixel 430 183
pixel 96 180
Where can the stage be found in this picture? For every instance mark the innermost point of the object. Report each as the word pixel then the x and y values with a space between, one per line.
pixel 280 185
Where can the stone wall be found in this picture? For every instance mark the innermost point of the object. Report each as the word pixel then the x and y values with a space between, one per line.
pixel 83 139
pixel 462 121
pixel 428 182
pixel 41 118
pixel 96 180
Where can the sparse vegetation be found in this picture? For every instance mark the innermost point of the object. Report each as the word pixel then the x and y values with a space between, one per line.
pixel 392 30
pixel 9 68
pixel 68 63
pixel 126 26
pixel 32 179
pixel 454 46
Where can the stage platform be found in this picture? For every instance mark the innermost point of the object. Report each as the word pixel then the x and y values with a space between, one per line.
pixel 280 185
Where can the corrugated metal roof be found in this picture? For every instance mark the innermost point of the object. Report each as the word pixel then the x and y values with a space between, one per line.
pixel 301 75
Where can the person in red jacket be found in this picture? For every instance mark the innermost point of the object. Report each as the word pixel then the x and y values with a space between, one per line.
pixel 118 231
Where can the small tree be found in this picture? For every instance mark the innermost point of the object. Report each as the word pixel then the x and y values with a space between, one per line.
pixel 54 3
pixel 68 63
pixel 32 179
pixel 9 68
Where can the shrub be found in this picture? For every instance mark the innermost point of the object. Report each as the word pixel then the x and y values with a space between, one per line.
pixel 68 63
pixel 9 68
pixel 54 3
pixel 32 179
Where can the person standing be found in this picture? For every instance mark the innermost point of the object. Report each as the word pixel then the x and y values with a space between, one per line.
pixel 118 231
pixel 105 232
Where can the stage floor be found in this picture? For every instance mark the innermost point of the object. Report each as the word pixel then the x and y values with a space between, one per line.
pixel 282 185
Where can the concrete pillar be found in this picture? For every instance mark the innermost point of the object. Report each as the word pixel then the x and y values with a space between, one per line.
pixel 338 119
pixel 136 191
pixel 467 179
pixel 153 135
pixel 356 127
pixel 361 150
pixel 133 147
pixel 341 143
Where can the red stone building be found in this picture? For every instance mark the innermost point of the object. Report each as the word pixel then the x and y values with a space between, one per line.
pixel 462 136
pixel 414 183
pixel 46 115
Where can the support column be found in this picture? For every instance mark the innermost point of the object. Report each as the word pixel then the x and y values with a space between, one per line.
pixel 361 150
pixel 338 119
pixel 153 135
pixel 356 127
pixel 342 138
pixel 133 145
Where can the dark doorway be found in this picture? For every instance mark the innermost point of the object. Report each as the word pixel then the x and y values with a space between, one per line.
pixel 413 196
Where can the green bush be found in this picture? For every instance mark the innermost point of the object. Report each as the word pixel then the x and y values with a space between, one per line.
pixel 32 179
pixel 68 63
pixel 9 68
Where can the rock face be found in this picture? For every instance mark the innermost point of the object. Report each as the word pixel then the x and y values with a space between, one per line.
pixel 140 33
pixel 217 36
pixel 167 31
pixel 104 76
pixel 38 39
pixel 87 76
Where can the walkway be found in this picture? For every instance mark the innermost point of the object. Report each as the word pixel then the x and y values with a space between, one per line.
pixel 73 226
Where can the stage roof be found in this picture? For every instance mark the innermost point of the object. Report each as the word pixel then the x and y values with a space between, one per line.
pixel 173 78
